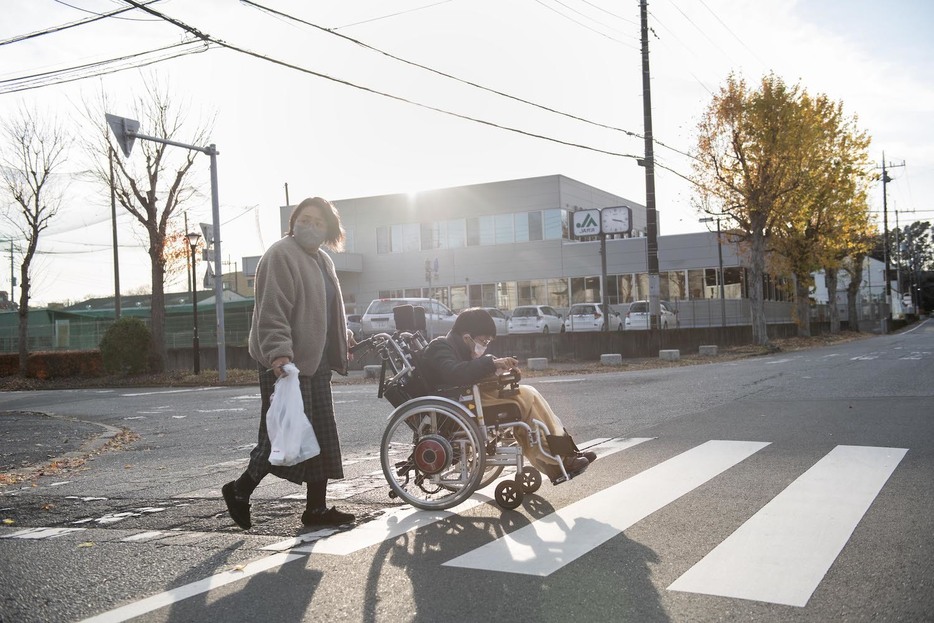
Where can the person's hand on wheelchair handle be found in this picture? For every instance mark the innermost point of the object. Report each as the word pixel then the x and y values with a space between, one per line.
pixel 505 364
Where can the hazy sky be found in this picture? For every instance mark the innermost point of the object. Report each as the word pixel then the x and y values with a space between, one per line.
pixel 335 137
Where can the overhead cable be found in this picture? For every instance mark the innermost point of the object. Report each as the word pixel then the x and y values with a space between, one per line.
pixel 62 27
pixel 311 72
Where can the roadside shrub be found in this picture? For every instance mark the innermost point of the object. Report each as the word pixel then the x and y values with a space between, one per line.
pixel 125 347
pixel 64 364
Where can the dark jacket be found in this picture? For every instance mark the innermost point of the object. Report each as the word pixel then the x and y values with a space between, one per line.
pixel 447 362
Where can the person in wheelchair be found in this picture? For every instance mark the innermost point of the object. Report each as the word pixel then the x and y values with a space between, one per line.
pixel 458 359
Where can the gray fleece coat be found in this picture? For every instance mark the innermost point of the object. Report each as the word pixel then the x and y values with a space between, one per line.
pixel 290 314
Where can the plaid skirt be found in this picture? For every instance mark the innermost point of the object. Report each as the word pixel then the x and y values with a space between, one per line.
pixel 316 397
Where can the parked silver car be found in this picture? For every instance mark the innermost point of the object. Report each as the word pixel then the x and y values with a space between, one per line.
pixel 500 320
pixel 535 319
pixel 638 315
pixel 590 317
pixel 379 318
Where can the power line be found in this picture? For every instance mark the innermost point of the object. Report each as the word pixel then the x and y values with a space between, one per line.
pixel 620 17
pixel 97 68
pixel 436 71
pixel 582 25
pixel 54 29
pixel 288 16
pixel 376 19
pixel 735 36
pixel 77 8
pixel 207 38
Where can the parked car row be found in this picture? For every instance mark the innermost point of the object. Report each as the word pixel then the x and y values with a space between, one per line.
pixel 524 319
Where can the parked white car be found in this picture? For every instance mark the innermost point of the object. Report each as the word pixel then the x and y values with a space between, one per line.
pixel 638 315
pixel 589 317
pixel 535 319
pixel 378 317
pixel 500 320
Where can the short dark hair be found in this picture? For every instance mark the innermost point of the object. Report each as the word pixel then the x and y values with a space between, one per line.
pixel 474 321
pixel 335 239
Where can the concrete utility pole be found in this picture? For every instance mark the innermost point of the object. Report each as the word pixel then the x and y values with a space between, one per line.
pixel 885 245
pixel 651 216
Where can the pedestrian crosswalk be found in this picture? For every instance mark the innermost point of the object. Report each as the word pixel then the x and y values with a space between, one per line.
pixel 779 555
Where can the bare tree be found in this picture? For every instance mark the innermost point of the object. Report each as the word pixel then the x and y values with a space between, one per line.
pixel 33 148
pixel 154 190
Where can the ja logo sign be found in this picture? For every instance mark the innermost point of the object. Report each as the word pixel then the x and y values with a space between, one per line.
pixel 587 222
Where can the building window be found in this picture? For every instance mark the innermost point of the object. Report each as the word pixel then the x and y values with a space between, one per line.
pixel 249 283
pixel 536 230
pixel 430 236
pixel 555 224
pixel 382 240
pixel 487 231
pixel 503 230
pixel 473 231
pixel 456 234
pixel 521 227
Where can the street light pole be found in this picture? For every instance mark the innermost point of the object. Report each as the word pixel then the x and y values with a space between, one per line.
pixel 193 239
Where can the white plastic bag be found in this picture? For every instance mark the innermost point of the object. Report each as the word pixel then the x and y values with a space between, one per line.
pixel 290 433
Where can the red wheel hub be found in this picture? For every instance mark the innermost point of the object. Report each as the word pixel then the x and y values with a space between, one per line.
pixel 432 454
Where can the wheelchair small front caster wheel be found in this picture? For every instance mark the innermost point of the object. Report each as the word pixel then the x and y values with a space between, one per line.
pixel 508 494
pixel 530 480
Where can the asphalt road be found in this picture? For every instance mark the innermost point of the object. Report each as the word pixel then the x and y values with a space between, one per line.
pixel 793 487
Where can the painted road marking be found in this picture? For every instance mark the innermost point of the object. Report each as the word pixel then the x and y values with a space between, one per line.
pixel 546 545
pixel 175 595
pixel 40 533
pixel 400 521
pixel 782 552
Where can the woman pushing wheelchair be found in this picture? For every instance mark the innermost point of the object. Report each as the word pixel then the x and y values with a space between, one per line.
pixel 459 359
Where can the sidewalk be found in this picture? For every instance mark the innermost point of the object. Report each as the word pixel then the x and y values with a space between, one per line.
pixel 34 439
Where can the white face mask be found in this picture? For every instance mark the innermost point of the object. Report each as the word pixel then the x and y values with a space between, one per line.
pixel 309 237
pixel 478 348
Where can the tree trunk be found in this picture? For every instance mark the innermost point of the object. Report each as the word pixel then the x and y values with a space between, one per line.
pixel 157 314
pixel 852 292
pixel 830 280
pixel 803 305
pixel 760 334
pixel 24 320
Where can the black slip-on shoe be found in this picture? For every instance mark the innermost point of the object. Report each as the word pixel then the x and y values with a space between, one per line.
pixel 237 507
pixel 329 517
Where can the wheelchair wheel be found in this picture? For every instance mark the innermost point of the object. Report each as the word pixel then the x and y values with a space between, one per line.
pixel 531 480
pixel 509 494
pixel 431 454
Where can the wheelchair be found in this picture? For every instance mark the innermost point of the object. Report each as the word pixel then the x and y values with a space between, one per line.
pixel 440 445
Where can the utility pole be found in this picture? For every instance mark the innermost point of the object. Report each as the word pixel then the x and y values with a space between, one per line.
pixel 651 216
pixel 885 245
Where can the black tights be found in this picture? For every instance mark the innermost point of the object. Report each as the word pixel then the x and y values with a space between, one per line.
pixel 315 500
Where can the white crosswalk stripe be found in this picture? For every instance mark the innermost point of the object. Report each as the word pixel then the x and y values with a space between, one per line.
pixel 783 552
pixel 407 519
pixel 546 545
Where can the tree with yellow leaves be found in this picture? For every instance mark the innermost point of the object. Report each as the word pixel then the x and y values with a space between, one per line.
pixel 751 150
pixel 828 213
pixel 788 172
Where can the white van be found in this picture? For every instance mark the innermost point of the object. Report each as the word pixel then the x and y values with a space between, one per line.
pixel 378 317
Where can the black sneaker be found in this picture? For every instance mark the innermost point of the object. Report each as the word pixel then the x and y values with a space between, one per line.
pixel 237 506
pixel 329 517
